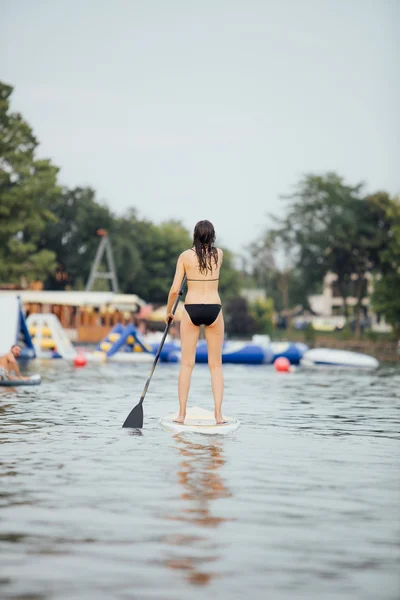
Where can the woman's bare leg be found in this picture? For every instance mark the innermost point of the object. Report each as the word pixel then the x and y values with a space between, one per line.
pixel 215 338
pixel 189 336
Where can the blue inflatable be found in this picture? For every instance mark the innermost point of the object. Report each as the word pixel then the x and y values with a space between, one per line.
pixel 170 351
pixel 232 352
pixel 293 351
pixel 122 339
pixel 244 353
pixel 235 353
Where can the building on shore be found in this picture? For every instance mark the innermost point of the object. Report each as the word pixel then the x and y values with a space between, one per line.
pixel 86 316
pixel 330 304
pixel 253 294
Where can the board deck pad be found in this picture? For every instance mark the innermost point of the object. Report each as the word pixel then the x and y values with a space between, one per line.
pixel 199 420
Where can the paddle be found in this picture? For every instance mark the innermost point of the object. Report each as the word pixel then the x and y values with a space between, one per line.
pixel 135 417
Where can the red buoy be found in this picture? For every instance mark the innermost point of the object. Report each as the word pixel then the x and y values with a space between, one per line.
pixel 282 364
pixel 80 360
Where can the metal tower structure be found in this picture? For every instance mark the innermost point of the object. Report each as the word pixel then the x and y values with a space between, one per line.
pixel 111 274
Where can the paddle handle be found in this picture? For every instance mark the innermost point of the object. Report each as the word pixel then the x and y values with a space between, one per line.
pixel 146 387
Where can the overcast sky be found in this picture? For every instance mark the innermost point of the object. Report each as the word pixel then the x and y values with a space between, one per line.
pixel 207 109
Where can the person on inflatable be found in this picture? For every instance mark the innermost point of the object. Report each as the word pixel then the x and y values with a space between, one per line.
pixel 8 364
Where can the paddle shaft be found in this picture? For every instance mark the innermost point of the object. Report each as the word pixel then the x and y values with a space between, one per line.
pixel 146 387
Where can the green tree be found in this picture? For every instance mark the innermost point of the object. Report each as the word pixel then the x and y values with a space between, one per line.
pixel 285 285
pixel 373 227
pixel 386 295
pixel 159 247
pixel 262 313
pixel 238 320
pixel 145 253
pixel 28 186
pixel 229 282
pixel 321 230
pixel 73 238
pixel 127 252
pixel 331 226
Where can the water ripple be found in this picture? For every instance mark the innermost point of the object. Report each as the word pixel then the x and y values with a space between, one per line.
pixel 302 501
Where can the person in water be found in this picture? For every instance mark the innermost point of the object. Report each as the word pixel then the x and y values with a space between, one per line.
pixel 8 364
pixel 201 264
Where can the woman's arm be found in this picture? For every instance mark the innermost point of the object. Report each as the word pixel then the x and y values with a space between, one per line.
pixel 175 287
pixel 13 365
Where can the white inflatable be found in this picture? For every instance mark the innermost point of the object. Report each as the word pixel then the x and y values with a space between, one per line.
pixel 199 420
pixel 49 337
pixel 329 357
pixel 132 357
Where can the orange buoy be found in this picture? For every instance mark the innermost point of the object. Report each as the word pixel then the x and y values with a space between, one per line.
pixel 282 364
pixel 80 360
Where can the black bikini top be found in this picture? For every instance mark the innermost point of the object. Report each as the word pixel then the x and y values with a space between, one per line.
pixel 201 279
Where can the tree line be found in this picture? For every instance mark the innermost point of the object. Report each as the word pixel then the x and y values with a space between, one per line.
pixel 48 233
pixel 330 226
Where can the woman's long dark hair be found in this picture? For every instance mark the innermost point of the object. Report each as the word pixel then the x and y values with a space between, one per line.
pixel 203 242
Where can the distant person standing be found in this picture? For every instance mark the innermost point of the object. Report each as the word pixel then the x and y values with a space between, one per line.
pixel 201 264
pixel 141 328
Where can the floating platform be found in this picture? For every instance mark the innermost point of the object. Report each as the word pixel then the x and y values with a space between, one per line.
pixel 329 358
pixel 293 351
pixel 124 344
pixel 239 353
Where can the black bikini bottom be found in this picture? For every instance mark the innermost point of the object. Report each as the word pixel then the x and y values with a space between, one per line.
pixel 203 314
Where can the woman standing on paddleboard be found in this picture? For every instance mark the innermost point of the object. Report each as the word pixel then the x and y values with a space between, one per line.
pixel 201 264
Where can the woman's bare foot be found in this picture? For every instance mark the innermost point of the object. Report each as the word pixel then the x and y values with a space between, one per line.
pixel 180 419
pixel 220 420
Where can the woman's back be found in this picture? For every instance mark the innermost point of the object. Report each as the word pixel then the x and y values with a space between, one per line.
pixel 202 286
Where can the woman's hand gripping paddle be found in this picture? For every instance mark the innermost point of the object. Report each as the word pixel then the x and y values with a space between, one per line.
pixel 135 417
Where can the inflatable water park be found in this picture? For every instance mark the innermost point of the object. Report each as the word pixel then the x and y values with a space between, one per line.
pixel 125 344
pixel 41 336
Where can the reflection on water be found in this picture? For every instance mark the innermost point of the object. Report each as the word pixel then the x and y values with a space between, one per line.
pixel 301 502
pixel 199 476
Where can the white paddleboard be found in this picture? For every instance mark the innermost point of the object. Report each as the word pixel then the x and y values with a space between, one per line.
pixel 199 420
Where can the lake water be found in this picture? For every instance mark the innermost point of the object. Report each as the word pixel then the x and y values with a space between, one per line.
pixel 302 501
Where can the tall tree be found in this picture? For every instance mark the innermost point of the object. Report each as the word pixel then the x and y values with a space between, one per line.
pixel 321 228
pixel 274 269
pixel 230 280
pixel 28 186
pixel 238 319
pixel 73 237
pixel 331 226
pixel 159 247
pixel 386 295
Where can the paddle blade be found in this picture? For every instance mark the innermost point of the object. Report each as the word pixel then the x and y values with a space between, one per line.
pixel 135 417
